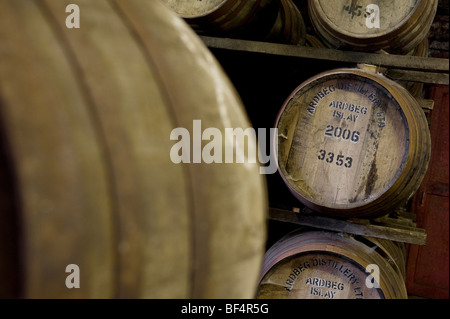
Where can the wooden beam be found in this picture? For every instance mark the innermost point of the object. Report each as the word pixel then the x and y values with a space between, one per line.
pixel 428 70
pixel 418 76
pixel 404 234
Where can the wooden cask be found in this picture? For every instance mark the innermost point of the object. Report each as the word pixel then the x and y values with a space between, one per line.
pixel 313 264
pixel 248 19
pixel 86 117
pixel 352 143
pixel 395 26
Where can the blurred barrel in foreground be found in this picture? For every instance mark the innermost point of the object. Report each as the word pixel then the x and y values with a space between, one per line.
pixel 86 117
pixel 395 26
pixel 352 143
pixel 308 264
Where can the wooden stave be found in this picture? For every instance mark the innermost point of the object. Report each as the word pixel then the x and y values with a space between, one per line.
pixel 216 279
pixel 390 251
pixel 409 185
pixel 417 162
pixel 307 241
pixel 423 149
pixel 418 21
pixel 245 215
pixel 395 252
pixel 28 18
pixel 424 144
pixel 297 30
pixel 300 26
pixel 423 28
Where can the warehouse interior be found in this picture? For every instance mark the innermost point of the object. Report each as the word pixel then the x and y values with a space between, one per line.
pixel 116 176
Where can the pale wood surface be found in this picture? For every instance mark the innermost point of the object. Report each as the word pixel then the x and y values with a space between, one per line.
pixel 61 171
pixel 88 114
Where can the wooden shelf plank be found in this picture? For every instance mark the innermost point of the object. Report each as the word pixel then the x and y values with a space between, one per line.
pixel 427 70
pixel 400 233
pixel 418 76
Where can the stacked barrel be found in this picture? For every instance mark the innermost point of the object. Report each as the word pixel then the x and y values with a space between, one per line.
pixel 352 143
pixel 388 27
pixel 397 27
pixel 307 264
pixel 264 20
pixel 86 118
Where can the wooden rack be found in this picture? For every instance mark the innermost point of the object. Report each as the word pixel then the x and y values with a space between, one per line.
pixel 401 67
pixel 400 226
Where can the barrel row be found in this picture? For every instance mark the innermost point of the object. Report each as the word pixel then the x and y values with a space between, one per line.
pixel 373 180
pixel 338 24
pixel 341 24
pixel 352 143
pixel 313 264
pixel 265 20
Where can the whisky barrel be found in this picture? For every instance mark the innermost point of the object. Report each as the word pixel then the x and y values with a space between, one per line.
pixel 248 19
pixel 352 143
pixel 313 264
pixel 396 27
pixel 86 119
